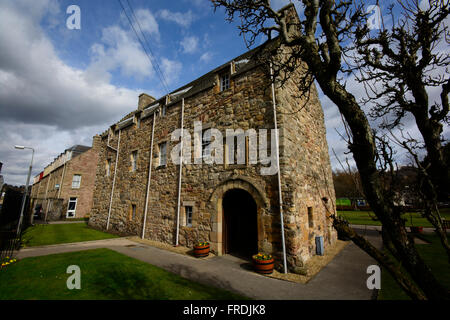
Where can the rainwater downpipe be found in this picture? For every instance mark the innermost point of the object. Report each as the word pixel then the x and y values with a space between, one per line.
pixel 62 176
pixel 46 197
pixel 278 167
pixel 181 170
pixel 149 176
pixel 114 180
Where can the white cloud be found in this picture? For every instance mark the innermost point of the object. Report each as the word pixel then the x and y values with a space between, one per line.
pixel 171 69
pixel 206 57
pixel 49 105
pixel 147 22
pixel 183 19
pixel 189 44
pixel 119 49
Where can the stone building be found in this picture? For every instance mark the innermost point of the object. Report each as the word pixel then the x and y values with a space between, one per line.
pixel 139 189
pixel 65 188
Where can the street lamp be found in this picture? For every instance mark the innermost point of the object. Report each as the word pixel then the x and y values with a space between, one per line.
pixel 26 187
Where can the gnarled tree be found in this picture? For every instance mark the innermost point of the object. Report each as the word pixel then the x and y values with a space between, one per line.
pixel 333 41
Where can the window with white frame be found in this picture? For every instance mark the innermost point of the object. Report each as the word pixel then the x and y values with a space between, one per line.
pixel 224 81
pixel 76 181
pixel 71 207
pixel 133 161
pixel 188 212
pixel 163 154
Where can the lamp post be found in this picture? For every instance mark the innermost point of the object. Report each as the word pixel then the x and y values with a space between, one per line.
pixel 26 187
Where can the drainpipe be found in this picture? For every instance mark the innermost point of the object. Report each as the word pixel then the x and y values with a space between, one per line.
pixel 46 192
pixel 149 176
pixel 278 166
pixel 34 207
pixel 62 177
pixel 114 181
pixel 181 170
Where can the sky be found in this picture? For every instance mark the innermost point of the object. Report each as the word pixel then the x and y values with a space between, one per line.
pixel 59 86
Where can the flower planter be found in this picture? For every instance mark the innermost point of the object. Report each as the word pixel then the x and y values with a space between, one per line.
pixel 416 229
pixel 263 266
pixel 201 251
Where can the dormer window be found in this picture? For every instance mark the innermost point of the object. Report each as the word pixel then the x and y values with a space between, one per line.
pixel 224 81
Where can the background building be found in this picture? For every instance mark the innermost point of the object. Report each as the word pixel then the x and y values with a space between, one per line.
pixel 64 189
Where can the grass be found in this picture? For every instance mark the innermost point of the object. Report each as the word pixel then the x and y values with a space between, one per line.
pixel 436 258
pixel 364 218
pixel 105 274
pixel 46 234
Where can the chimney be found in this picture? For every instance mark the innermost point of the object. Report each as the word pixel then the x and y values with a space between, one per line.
pixel 292 20
pixel 144 100
pixel 96 142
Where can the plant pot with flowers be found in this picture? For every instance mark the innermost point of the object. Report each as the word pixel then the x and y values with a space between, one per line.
pixel 201 249
pixel 414 229
pixel 263 263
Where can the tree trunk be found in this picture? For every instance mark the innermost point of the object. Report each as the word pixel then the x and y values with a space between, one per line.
pixel 363 148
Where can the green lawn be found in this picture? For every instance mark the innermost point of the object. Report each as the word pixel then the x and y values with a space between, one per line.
pixel 364 218
pixel 45 234
pixel 434 255
pixel 105 274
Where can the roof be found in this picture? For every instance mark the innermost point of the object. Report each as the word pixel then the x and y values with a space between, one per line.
pixel 242 63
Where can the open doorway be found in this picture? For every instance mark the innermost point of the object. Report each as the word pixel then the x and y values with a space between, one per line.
pixel 240 228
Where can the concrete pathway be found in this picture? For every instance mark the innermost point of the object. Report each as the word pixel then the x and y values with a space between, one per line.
pixel 57 222
pixel 343 278
pixel 378 228
pixel 66 222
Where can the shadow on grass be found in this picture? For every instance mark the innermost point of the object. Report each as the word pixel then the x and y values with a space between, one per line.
pixel 117 283
pixel 212 287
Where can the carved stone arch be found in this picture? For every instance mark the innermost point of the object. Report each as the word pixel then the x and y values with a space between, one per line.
pixel 215 201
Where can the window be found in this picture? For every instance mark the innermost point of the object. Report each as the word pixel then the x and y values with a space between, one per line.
pixel 133 161
pixel 133 212
pixel 310 217
pixel 138 122
pixel 163 154
pixel 163 111
pixel 108 167
pixel 71 207
pixel 205 143
pixel 224 82
pixel 76 181
pixel 188 211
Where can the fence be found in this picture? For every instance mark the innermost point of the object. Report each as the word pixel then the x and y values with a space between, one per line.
pixel 9 242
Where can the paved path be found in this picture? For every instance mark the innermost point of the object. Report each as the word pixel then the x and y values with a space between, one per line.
pixel 57 222
pixel 343 278
pixel 378 228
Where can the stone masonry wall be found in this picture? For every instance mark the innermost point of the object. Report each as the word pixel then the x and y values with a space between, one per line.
pixel 307 176
pixel 247 104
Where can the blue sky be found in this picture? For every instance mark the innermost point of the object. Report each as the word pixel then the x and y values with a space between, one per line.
pixel 187 34
pixel 60 87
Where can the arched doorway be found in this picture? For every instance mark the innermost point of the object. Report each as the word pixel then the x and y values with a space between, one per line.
pixel 240 225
